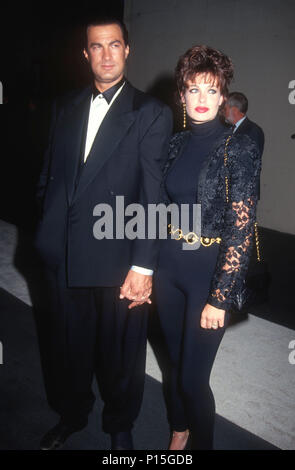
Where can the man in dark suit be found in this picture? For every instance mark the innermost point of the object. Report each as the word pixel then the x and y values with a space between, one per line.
pixel 235 111
pixel 109 140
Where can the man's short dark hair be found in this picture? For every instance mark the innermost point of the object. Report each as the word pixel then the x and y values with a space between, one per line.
pixel 239 100
pixel 107 20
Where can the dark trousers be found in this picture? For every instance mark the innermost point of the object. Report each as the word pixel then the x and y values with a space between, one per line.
pixel 182 284
pixel 87 332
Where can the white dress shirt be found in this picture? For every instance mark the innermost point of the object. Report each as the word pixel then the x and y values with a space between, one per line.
pixel 98 109
pixel 97 112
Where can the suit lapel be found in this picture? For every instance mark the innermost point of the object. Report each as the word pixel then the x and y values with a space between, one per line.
pixel 116 123
pixel 77 120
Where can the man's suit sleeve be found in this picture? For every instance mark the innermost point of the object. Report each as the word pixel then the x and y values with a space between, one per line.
pixel 257 135
pixel 262 139
pixel 153 149
pixel 42 182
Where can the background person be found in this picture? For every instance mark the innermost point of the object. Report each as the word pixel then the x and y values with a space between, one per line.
pixel 235 110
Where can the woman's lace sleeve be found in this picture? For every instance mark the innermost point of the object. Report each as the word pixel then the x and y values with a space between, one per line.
pixel 244 164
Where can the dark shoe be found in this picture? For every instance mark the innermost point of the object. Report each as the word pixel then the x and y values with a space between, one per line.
pixel 56 437
pixel 122 440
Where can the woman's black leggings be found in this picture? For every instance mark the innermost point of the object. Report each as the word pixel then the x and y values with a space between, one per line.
pixel 182 284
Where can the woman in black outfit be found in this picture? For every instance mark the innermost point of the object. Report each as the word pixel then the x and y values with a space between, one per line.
pixel 194 288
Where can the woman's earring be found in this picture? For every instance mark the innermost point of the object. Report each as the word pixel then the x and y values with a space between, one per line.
pixel 184 115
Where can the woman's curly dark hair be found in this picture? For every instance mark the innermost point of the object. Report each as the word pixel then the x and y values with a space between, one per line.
pixel 204 60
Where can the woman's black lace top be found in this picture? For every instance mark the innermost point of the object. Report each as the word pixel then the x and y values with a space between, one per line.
pixel 233 221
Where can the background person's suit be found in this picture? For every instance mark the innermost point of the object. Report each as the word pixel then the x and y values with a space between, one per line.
pixel 254 131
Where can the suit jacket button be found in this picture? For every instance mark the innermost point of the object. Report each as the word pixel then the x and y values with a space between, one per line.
pixel 112 193
pixel 51 178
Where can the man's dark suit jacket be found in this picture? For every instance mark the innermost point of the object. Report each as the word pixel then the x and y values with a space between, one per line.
pixel 251 129
pixel 126 158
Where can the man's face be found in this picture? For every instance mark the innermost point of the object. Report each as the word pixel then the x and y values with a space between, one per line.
pixel 106 53
pixel 229 114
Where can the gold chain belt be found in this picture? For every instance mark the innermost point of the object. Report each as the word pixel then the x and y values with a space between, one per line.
pixel 191 237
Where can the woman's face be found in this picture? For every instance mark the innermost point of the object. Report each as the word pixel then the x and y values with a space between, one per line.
pixel 202 98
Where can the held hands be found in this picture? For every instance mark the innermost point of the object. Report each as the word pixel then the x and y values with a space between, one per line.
pixel 212 317
pixel 137 287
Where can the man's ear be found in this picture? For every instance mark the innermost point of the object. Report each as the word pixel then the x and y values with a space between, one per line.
pixel 85 54
pixel 127 50
pixel 221 100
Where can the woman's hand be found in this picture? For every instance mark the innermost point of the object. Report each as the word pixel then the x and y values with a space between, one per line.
pixel 136 303
pixel 212 317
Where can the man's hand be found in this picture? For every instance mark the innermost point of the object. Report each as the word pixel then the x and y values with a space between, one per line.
pixel 212 317
pixel 137 287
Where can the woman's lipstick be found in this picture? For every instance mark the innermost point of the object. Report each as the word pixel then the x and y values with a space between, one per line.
pixel 201 109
